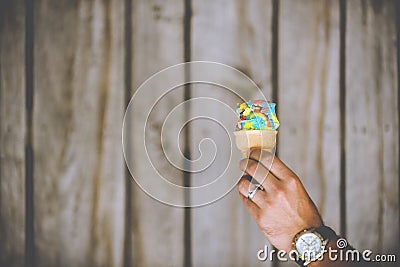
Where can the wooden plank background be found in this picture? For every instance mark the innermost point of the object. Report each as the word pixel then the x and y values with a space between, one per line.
pixel 12 133
pixel 372 144
pixel 157 229
pixel 89 57
pixel 79 169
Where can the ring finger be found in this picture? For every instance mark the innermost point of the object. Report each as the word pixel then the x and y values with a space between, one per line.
pixel 260 174
pixel 259 197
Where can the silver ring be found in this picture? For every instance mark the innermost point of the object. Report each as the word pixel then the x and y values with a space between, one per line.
pixel 253 192
pixel 260 187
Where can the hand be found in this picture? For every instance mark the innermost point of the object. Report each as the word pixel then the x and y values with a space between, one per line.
pixel 283 208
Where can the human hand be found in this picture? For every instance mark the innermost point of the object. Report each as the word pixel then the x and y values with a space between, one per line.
pixel 283 208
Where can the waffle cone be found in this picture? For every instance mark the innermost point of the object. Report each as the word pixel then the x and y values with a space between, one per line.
pixel 263 139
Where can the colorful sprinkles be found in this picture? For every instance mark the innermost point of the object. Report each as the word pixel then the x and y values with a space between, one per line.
pixel 256 115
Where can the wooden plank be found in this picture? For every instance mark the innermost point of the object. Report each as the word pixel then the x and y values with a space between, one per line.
pixel 308 100
pixel 236 33
pixel 79 177
pixel 12 133
pixel 372 126
pixel 157 43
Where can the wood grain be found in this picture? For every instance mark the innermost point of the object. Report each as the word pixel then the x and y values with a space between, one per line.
pixel 12 133
pixel 308 100
pixel 79 97
pixel 157 43
pixel 79 177
pixel 372 126
pixel 308 71
pixel 236 33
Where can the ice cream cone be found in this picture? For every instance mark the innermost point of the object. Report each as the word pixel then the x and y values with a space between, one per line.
pixel 247 139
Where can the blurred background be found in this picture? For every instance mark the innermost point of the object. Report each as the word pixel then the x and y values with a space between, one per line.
pixel 69 68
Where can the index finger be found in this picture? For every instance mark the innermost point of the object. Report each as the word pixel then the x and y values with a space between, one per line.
pixel 273 163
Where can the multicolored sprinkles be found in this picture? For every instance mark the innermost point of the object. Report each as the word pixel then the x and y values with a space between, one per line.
pixel 256 115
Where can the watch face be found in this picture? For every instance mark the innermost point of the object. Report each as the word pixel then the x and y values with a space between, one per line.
pixel 309 246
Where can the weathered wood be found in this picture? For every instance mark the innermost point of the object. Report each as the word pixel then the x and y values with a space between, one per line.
pixel 237 33
pixel 372 126
pixel 79 177
pixel 79 193
pixel 12 133
pixel 308 100
pixel 157 43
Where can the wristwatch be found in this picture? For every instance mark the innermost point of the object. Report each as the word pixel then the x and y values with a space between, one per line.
pixel 309 244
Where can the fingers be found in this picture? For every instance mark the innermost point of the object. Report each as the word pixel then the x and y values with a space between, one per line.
pixel 253 209
pixel 244 187
pixel 273 163
pixel 259 173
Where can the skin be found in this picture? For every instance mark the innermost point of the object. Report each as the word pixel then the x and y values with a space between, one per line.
pixel 284 207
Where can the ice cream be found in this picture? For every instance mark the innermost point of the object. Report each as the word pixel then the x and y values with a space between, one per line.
pixel 256 126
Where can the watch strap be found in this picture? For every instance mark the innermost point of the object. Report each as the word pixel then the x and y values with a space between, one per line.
pixel 326 232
